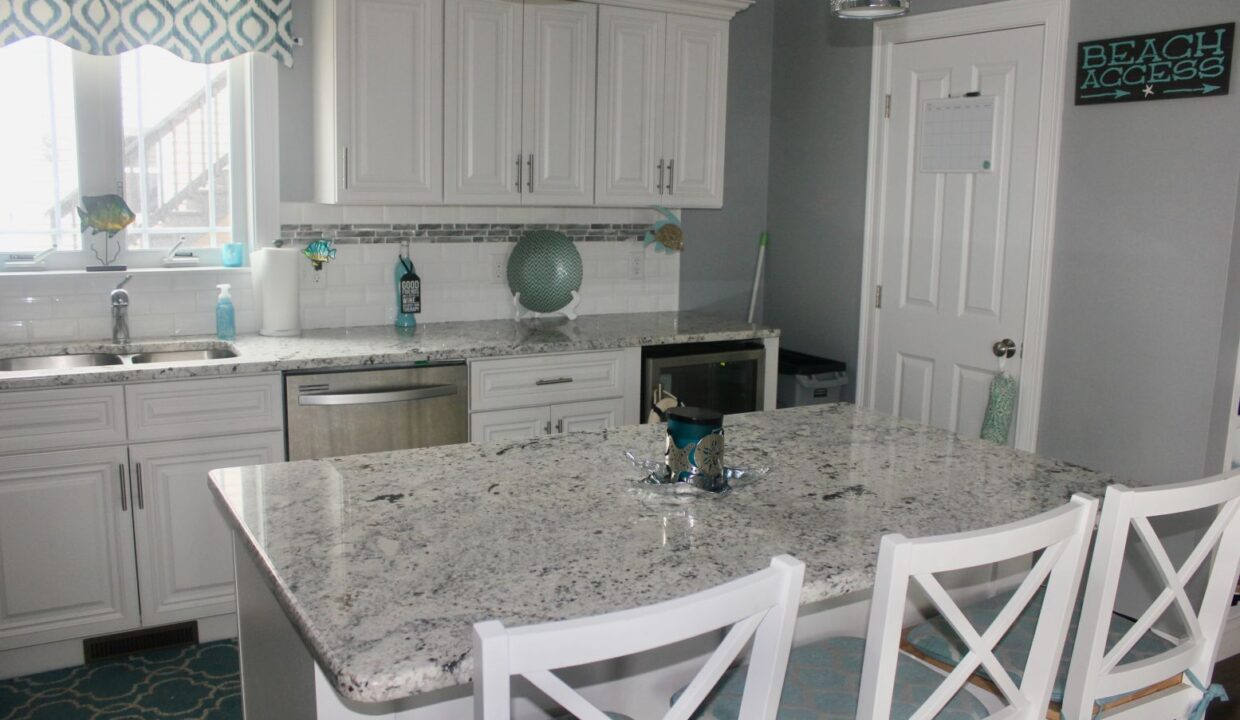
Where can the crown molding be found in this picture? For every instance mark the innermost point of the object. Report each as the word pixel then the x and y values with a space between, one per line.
pixel 718 9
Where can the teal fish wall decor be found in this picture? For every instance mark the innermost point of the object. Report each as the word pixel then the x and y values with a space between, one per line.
pixel 105 213
pixel 320 252
pixel 666 234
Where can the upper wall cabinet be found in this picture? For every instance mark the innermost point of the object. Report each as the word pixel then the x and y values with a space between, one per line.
pixel 378 73
pixel 519 102
pixel 662 103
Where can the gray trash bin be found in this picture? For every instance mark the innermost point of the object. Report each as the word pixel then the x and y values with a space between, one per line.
pixel 808 379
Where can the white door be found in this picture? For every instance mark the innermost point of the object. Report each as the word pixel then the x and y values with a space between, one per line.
pixel 954 247
pixel 389 76
pixel 498 425
pixel 589 415
pixel 184 547
pixel 66 546
pixel 696 100
pixel 631 71
pixel 482 102
pixel 558 100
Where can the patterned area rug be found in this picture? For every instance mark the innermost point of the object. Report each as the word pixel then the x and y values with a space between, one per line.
pixel 200 682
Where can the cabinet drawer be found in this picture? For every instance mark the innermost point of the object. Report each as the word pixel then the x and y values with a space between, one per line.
pixel 198 408
pixel 61 418
pixel 544 379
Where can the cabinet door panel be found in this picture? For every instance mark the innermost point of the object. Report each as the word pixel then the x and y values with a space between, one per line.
pixel 500 425
pixel 630 94
pixel 558 98
pixel 394 70
pixel 589 415
pixel 696 103
pixel 482 102
pixel 184 546
pixel 66 547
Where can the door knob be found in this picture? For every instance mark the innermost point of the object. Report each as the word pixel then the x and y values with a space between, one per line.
pixel 1005 348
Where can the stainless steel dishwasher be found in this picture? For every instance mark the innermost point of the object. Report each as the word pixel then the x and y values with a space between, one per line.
pixel 357 411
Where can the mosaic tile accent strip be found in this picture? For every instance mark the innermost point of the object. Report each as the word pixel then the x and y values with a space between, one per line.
pixel 456 233
pixel 201 682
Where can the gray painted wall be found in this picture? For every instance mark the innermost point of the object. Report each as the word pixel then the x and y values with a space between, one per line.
pixel 296 114
pixel 1147 206
pixel 1218 453
pixel 1147 209
pixel 721 246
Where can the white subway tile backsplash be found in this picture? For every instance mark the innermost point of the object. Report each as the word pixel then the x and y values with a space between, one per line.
pixel 355 289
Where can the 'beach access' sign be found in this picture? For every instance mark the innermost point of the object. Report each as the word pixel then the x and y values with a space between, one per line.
pixel 1189 63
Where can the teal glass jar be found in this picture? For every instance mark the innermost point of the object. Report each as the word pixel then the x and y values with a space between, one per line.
pixel 695 446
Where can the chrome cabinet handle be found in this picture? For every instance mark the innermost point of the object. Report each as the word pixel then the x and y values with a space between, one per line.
pixel 530 180
pixel 553 381
pixel 660 176
pixel 518 172
pixel 137 473
pixel 124 499
pixel 346 167
pixel 671 174
pixel 559 425
pixel 423 392
pixel 547 428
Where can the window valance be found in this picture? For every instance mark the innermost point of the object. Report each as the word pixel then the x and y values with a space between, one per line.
pixel 202 31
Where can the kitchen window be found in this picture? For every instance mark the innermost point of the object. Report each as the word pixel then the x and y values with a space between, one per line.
pixel 170 136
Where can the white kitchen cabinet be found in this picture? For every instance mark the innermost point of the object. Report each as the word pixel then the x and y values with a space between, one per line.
pixel 502 425
pixel 378 74
pixel 522 423
pixel 662 105
pixel 110 538
pixel 185 568
pixel 519 102
pixel 512 398
pixel 589 415
pixel 66 546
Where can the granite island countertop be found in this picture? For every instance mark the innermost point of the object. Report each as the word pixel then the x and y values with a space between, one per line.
pixel 386 345
pixel 383 562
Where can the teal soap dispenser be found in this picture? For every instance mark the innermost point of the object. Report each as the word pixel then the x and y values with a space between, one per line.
pixel 225 315
pixel 408 290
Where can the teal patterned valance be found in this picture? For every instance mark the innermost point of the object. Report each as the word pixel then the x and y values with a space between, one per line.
pixel 202 31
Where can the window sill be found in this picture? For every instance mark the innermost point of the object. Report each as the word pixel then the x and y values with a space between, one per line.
pixel 136 271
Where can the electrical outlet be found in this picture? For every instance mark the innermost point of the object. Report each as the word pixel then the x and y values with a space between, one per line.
pixel 499 268
pixel 637 266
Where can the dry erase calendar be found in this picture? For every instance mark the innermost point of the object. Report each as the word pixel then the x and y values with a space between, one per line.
pixel 958 135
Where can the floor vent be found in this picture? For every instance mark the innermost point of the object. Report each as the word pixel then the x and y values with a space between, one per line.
pixel 133 641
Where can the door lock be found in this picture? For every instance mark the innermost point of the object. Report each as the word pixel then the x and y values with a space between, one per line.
pixel 1005 348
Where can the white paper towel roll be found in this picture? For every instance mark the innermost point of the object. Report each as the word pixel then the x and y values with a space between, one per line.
pixel 277 289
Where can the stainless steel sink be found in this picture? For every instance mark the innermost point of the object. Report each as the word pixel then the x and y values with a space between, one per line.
pixel 182 355
pixel 59 362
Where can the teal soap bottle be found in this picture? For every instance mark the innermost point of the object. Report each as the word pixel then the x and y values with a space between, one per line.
pixel 225 315
pixel 408 290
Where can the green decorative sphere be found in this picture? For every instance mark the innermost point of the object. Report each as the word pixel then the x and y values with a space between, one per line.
pixel 545 268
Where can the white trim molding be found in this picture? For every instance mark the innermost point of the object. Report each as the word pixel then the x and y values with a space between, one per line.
pixel 717 9
pixel 1052 15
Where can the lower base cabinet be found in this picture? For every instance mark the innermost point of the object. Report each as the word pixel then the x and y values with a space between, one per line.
pixel 66 546
pixel 499 425
pixel 103 540
pixel 185 568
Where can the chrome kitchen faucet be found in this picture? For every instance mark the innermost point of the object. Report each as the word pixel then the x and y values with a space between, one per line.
pixel 120 313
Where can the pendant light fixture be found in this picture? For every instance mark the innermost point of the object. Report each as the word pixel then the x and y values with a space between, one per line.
pixel 869 9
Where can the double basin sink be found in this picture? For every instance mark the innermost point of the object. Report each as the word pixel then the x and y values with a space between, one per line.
pixel 131 354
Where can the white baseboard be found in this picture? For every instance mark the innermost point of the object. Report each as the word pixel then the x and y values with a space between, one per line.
pixel 41 658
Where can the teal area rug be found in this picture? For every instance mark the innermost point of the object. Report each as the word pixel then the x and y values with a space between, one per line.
pixel 200 682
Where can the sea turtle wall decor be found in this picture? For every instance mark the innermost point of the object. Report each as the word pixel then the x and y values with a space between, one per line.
pixel 666 234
